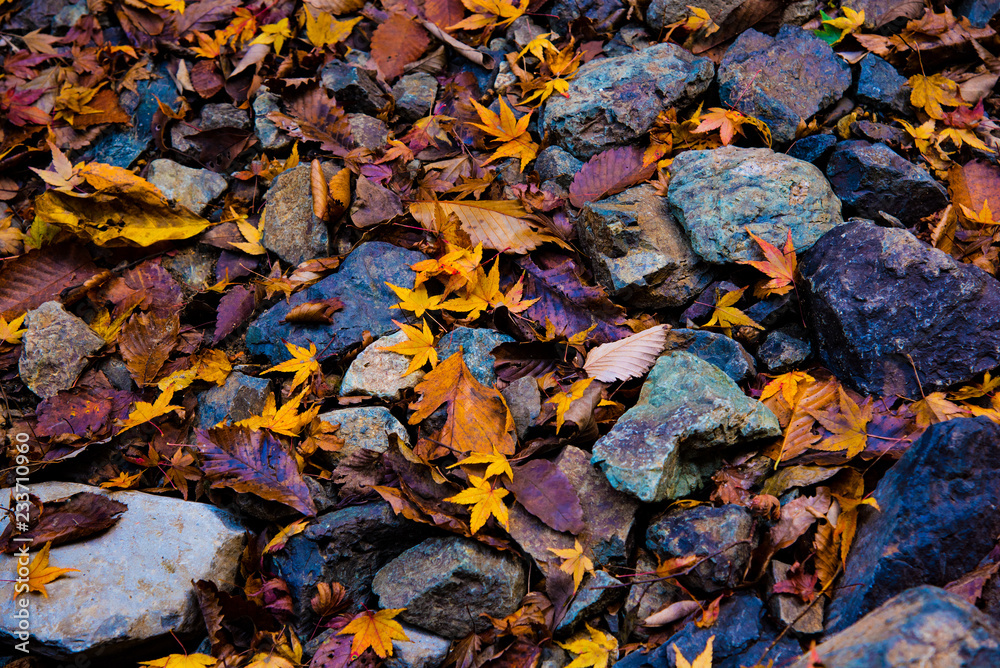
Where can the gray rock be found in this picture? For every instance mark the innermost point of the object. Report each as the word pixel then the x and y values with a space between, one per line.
pixel 355 88
pixel 290 229
pixel 179 133
pixel 445 584
pixel 789 609
pixel 368 132
pixel 814 148
pixel 557 164
pixel 715 195
pixel 596 593
pixel 604 15
pixel 347 546
pixel 424 650
pixel 613 102
pixel 782 80
pixel 415 94
pixel 937 520
pixel 924 626
pixel 782 352
pixel 663 12
pixel 477 350
pixel 979 12
pixel 241 397
pixel 869 178
pixel 55 349
pixel 360 284
pixel 380 373
pixel 638 252
pixel 224 115
pixel 629 39
pixel 714 348
pixel 525 403
pixel 191 188
pixel 648 594
pixel 134 586
pixel 881 87
pixel 725 532
pixel 608 514
pixel 365 428
pixel 270 136
pixel 881 302
pixel 668 444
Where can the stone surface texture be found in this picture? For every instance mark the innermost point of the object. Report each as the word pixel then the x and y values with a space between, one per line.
pixel 239 398
pixel 55 349
pixel 191 188
pixel 378 372
pixel 291 230
pixel 717 349
pixel 477 350
pixel 883 88
pixel 364 428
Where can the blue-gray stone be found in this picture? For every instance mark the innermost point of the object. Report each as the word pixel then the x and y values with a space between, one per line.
pixel 604 15
pixel 292 230
pixel 674 438
pixel 814 148
pixel 477 346
pixel 598 592
pixel 415 94
pixel 614 101
pixel 191 188
pixel 782 352
pixel 360 284
pixel 241 397
pixel 869 178
pixel 664 12
pixel 714 348
pixel 559 165
pixel 880 86
pixel 717 195
pixel 123 146
pixel 979 12
pixel 354 87
pixel 271 138
pixel 782 80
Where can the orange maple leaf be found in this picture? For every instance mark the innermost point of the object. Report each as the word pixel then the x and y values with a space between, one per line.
pixel 849 425
pixel 729 123
pixel 780 265
pixel 41 574
pixel 511 131
pixel 376 630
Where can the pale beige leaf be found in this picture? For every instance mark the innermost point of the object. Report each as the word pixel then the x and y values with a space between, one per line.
pixel 672 613
pixel 336 7
pixel 498 225
pixel 626 358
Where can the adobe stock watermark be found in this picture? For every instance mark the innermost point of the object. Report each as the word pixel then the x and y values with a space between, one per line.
pixel 21 507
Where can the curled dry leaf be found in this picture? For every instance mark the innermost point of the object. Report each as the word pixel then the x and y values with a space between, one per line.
pixel 626 358
pixel 69 519
pixel 319 190
pixel 335 7
pixel 498 225
pixel 314 313
pixel 145 343
pixel 672 613
pixel 609 172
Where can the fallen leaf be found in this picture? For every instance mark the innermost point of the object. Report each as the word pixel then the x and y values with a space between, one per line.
pixel 575 562
pixel 848 425
pixel 486 499
pixel 30 280
pixel 563 400
pixel 609 172
pixel 726 316
pixel 780 265
pixel 929 93
pixel 672 612
pixel 66 520
pixel 41 574
pixel 419 345
pixel 144 412
pixel 934 408
pixel 627 358
pixel 498 225
pixel 545 492
pixel 703 660
pixel 303 363
pixel 396 43
pixel 182 661
pixel 593 652
pixel 376 630
pixel 146 342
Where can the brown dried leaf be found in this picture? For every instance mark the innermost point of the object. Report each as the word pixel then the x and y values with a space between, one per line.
pixel 30 280
pixel 396 43
pixel 68 519
pixel 609 172
pixel 547 493
pixel 146 342
pixel 498 225
pixel 336 7
pixel 319 190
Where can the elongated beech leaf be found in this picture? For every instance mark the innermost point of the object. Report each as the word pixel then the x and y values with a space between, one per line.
pixel 626 358
pixel 607 173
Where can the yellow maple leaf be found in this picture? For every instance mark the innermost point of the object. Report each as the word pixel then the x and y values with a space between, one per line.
pixel 983 217
pixel 538 46
pixel 143 411
pixel 480 294
pixel 416 300
pixel 182 661
pixel 279 540
pixel 787 384
pixel 419 345
pixel 41 574
pixel 303 363
pixel 848 23
pixel 262 660
pixel 929 93
pixel 575 562
pixel 963 136
pixel 212 366
pixel 285 420
pixel 726 316
pixel 513 132
pixel 457 267
pixel 496 463
pixel 563 400
pixel 11 332
pixel 274 33
pixel 592 652
pixel 848 425
pixel 703 660
pixel 485 500
pixel 543 90
pixel 323 30
pixel 253 235
pixel 700 19
pixel 780 266
pixel 122 481
pixel 376 630
pixel 988 385
pixel 488 14
pixel 934 408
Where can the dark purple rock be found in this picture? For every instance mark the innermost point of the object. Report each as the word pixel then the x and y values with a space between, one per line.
pixel 881 302
pixel 814 148
pixel 869 178
pixel 880 86
pixel 783 79
pixel 604 15
pixel 938 518
pixel 924 626
pixel 356 88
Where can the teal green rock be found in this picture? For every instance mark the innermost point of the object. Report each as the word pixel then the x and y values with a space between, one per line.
pixel 673 439
pixel 477 350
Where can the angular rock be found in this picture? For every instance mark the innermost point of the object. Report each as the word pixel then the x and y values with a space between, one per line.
pixel 192 266
pixel 742 633
pixel 869 178
pixel 415 94
pixel 241 397
pixel 291 230
pixel 424 650
pixel 559 165
pixel 648 594
pixel 937 518
pixel 445 584
pixel 360 284
pixel 814 148
pixel 347 546
pixel 134 586
pixel 638 252
pixel 603 14
pixel 191 188
pixel 881 87
pixel 609 517
pixel 706 530
pixel 55 349
pixel 923 626
pixel 715 195
pixel 789 609
pixel 979 12
pixel 368 132
pixel 270 136
pixel 879 298
pixel 380 373
pixel 781 80
pixel 596 593
pixel 525 403
pixel 477 350
pixel 355 88
pixel 364 428
pixel 673 439
pixel 782 352
pixel 716 349
pixel 223 115
pixel 612 102
pixel 122 147
pixel 663 12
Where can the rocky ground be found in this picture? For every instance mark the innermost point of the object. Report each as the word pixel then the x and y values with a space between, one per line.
pixel 561 333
